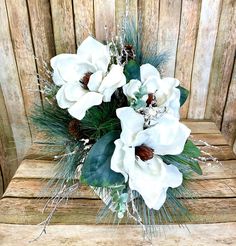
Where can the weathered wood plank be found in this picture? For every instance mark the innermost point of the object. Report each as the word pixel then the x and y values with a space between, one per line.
pixel 210 11
pixel 150 22
pixel 36 188
pixel 24 54
pixel 89 235
pixel 223 62
pixel 82 211
pixel 42 34
pixel 8 155
pixel 125 10
pixel 169 19
pixel 219 152
pixel 11 88
pixel 213 139
pixel 1 183
pixel 43 169
pixel 201 126
pixel 229 120
pixel 84 19
pixel 190 12
pixel 63 26
pixel 104 12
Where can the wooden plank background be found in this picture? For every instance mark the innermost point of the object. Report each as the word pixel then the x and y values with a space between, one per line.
pixel 200 36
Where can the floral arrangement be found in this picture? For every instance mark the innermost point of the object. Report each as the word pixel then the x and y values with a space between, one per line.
pixel 118 124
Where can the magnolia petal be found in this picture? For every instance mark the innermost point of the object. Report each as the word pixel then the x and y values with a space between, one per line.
pixel 114 79
pixel 151 179
pixel 167 137
pixel 131 123
pixel 95 81
pixel 90 99
pixel 65 67
pixel 131 88
pixel 119 157
pixel 151 84
pixel 61 99
pixel 147 70
pixel 74 91
pixel 95 52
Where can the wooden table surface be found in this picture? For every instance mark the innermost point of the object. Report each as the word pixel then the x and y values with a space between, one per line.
pixel 213 210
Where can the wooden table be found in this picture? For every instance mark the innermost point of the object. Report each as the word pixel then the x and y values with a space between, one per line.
pixel 214 210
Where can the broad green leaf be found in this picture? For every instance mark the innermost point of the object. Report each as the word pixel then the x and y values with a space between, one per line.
pixel 185 158
pixel 96 169
pixel 183 94
pixel 132 70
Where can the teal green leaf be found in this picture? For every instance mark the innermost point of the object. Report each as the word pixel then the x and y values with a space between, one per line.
pixel 96 169
pixel 185 159
pixel 132 70
pixel 183 94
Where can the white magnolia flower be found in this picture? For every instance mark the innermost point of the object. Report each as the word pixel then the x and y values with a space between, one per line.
pixel 84 78
pixel 163 90
pixel 151 178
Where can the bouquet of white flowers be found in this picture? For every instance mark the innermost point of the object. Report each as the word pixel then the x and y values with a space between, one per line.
pixel 117 120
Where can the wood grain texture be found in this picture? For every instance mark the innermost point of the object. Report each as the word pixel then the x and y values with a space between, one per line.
pixel 223 62
pixel 42 35
pixel 150 22
pixel 1 183
pixel 63 26
pixel 104 14
pixel 229 120
pixel 45 169
pixel 24 54
pixel 90 235
pixel 125 10
pixel 186 46
pixel 209 18
pixel 11 88
pixel 8 155
pixel 84 19
pixel 169 19
pixel 83 211
pixel 36 188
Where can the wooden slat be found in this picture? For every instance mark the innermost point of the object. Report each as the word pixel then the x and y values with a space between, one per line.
pixel 82 211
pixel 210 11
pixel 63 26
pixel 1 183
pixel 150 22
pixel 213 139
pixel 186 46
pixel 42 34
pixel 169 19
pixel 90 235
pixel 201 126
pixel 8 156
pixel 229 119
pixel 24 53
pixel 36 188
pixel 125 10
pixel 220 152
pixel 45 169
pixel 11 87
pixel 84 19
pixel 223 62
pixel 104 12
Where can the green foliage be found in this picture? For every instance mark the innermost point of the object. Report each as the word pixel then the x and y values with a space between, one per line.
pixel 100 120
pixel 183 94
pixel 132 70
pixel 144 53
pixel 186 161
pixel 52 120
pixel 96 169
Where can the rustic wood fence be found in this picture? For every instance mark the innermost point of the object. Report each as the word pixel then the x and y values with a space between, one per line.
pixel 199 34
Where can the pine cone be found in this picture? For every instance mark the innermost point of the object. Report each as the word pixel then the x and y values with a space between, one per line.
pixel 145 153
pixel 127 53
pixel 73 128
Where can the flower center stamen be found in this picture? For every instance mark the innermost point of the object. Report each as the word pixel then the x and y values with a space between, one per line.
pixel 144 152
pixel 85 80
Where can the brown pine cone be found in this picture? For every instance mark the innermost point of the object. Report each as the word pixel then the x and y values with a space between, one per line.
pixel 127 53
pixel 73 128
